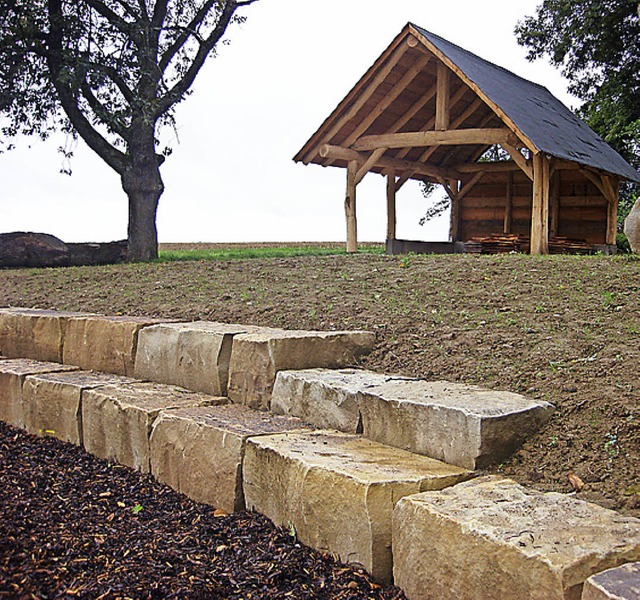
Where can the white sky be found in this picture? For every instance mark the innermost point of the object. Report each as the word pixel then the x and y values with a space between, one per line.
pixel 231 177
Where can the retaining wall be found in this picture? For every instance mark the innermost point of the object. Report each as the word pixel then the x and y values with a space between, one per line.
pixel 389 503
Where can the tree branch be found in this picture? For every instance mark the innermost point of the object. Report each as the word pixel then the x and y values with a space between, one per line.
pixel 101 112
pixel 187 31
pixel 113 157
pixel 183 85
pixel 114 18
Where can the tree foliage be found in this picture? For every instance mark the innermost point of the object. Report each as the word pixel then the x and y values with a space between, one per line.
pixel 596 43
pixel 112 72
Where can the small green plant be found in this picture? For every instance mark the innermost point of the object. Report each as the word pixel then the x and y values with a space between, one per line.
pixel 405 262
pixel 136 509
pixel 611 445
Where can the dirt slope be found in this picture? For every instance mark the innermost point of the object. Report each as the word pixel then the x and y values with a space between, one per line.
pixel 565 329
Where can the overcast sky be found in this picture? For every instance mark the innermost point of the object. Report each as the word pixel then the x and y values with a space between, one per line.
pixel 231 176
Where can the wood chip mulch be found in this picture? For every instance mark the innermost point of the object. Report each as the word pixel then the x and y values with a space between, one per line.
pixel 73 526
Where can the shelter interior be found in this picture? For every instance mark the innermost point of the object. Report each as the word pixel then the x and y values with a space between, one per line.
pixel 428 110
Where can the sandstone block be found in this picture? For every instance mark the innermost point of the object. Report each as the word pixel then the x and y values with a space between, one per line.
pixel 104 343
pixel 117 419
pixel 326 398
pixel 52 401
pixel 463 425
pixel 12 376
pixel 199 451
pixel 620 583
pixel 192 355
pixel 257 357
pixel 491 538
pixel 33 333
pixel 338 490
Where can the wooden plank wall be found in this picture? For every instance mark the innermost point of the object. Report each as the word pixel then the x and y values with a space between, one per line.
pixel 582 213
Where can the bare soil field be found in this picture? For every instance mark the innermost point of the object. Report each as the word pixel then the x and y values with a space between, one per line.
pixel 562 328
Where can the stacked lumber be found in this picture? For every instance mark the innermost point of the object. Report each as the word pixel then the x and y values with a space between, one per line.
pixel 504 243
pixel 497 243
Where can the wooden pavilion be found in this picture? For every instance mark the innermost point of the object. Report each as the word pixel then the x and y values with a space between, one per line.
pixel 429 110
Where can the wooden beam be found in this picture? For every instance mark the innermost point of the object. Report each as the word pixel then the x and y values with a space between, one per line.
pixel 467 187
pixel 554 201
pixel 386 162
pixel 519 159
pixel 508 206
pixel 391 205
pixel 451 137
pixel 350 208
pixel 499 166
pixel 369 163
pixel 540 205
pixel 443 98
pixel 403 179
pixel 612 185
pixel 455 210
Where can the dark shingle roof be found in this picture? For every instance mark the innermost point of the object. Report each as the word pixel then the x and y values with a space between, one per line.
pixel 541 117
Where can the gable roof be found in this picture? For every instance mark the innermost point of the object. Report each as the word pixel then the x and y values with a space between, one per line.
pixel 539 119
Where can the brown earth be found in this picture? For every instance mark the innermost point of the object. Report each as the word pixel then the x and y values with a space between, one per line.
pixel 562 328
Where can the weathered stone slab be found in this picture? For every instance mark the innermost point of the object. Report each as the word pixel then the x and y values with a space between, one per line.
pixel 104 343
pixel 52 401
pixel 326 398
pixel 257 357
pixel 33 333
pixel 620 583
pixel 117 419
pixel 338 490
pixel 462 425
pixel 199 451
pixel 192 355
pixel 12 376
pixel 491 538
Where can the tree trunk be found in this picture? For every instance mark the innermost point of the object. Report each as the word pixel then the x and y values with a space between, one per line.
pixel 143 185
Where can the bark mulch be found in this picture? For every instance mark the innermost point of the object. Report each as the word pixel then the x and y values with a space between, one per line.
pixel 74 526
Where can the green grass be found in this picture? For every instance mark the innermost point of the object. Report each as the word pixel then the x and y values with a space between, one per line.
pixel 243 253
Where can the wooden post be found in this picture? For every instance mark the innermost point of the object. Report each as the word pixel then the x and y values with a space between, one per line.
pixel 455 211
pixel 540 205
pixel 391 204
pixel 508 207
pixel 443 104
pixel 350 207
pixel 555 205
pixel 613 186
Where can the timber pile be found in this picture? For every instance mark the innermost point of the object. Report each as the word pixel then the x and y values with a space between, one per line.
pixel 562 245
pixel 498 243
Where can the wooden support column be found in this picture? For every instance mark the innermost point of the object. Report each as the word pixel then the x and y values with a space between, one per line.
pixel 391 204
pixel 612 186
pixel 350 207
pixel 555 205
pixel 443 99
pixel 540 205
pixel 508 206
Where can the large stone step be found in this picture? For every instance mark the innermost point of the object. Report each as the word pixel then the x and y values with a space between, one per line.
pixel 52 402
pixel 491 538
pixel 192 355
pixel 463 425
pixel 34 333
pixel 117 419
pixel 256 358
pixel 337 491
pixel 13 373
pixel 199 451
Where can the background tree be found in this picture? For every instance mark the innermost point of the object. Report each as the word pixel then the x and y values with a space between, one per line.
pixel 596 43
pixel 112 72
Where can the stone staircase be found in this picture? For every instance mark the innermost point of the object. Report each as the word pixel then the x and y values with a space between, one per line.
pixel 377 469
